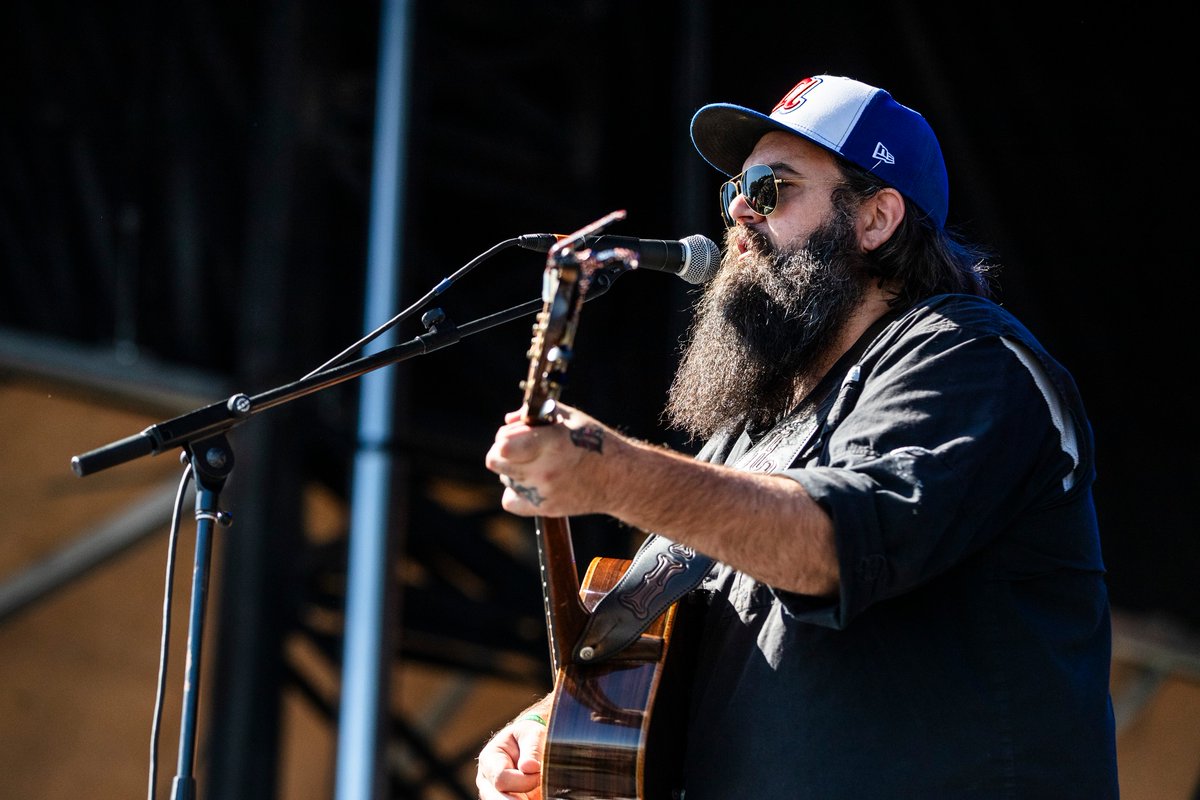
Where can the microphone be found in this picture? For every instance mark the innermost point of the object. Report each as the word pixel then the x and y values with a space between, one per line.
pixel 695 258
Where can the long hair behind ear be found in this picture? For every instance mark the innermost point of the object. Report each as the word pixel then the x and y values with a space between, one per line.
pixel 920 259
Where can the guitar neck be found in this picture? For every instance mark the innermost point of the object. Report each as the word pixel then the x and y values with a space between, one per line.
pixel 565 614
pixel 564 286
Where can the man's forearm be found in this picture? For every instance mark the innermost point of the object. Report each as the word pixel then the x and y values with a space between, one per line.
pixel 764 525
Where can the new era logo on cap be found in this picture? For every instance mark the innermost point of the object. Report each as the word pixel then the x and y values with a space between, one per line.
pixel 861 123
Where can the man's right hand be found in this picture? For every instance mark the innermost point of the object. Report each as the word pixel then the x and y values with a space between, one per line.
pixel 510 764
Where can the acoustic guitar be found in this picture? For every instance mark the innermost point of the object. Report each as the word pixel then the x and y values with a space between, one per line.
pixel 616 728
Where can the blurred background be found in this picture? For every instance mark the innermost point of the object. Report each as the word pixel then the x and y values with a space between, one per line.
pixel 188 199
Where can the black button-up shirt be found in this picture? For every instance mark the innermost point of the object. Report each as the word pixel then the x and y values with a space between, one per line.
pixel 967 652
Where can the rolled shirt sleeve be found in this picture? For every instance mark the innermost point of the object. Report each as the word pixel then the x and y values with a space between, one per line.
pixel 952 436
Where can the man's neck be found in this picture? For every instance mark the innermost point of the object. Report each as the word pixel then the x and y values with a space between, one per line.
pixel 873 306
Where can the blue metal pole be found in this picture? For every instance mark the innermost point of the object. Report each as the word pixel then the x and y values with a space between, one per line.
pixel 363 687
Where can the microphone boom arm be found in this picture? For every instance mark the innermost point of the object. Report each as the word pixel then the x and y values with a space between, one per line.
pixel 222 416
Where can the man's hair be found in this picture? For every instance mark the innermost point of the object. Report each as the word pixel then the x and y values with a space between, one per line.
pixel 920 259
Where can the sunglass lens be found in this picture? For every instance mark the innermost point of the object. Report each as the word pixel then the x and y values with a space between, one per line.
pixel 729 193
pixel 758 185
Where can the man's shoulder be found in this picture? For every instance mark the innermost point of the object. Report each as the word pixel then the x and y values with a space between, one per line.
pixel 969 314
pixel 962 309
pixel 966 324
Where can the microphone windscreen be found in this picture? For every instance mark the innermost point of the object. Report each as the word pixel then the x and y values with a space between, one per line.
pixel 702 259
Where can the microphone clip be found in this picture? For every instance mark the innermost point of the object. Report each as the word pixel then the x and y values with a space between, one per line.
pixel 597 268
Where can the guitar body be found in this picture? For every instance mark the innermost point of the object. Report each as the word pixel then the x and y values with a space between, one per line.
pixel 617 729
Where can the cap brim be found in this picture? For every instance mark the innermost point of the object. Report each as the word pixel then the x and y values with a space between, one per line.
pixel 725 134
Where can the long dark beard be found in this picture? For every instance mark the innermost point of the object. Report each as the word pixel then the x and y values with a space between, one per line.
pixel 764 323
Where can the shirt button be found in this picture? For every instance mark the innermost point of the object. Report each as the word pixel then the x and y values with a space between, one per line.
pixel 870 567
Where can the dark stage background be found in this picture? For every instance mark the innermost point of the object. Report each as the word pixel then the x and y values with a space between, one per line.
pixel 184 191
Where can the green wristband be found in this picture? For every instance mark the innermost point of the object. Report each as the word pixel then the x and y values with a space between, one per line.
pixel 538 718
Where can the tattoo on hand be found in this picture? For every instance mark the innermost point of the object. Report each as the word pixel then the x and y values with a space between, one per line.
pixel 530 493
pixel 589 437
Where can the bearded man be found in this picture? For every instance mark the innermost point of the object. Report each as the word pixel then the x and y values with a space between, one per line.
pixel 902 591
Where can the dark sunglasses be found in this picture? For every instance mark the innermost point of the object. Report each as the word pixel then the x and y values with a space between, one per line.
pixel 758 185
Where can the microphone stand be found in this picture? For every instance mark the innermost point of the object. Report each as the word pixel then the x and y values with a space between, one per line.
pixel 212 461
pixel 201 434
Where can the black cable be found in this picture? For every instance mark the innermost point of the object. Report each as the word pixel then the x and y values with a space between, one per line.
pixel 442 286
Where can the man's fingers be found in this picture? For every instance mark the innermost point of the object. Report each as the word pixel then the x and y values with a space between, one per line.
pixel 516 442
pixel 498 779
pixel 532 740
pixel 510 449
pixel 509 784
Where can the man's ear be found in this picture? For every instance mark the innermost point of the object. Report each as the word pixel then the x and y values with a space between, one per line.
pixel 879 217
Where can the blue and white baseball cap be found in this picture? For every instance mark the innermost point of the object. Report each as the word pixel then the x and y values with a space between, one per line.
pixel 860 123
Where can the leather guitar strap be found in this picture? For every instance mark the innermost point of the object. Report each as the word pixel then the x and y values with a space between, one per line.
pixel 662 571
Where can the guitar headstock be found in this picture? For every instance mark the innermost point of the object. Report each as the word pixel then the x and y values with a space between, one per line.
pixel 569 267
